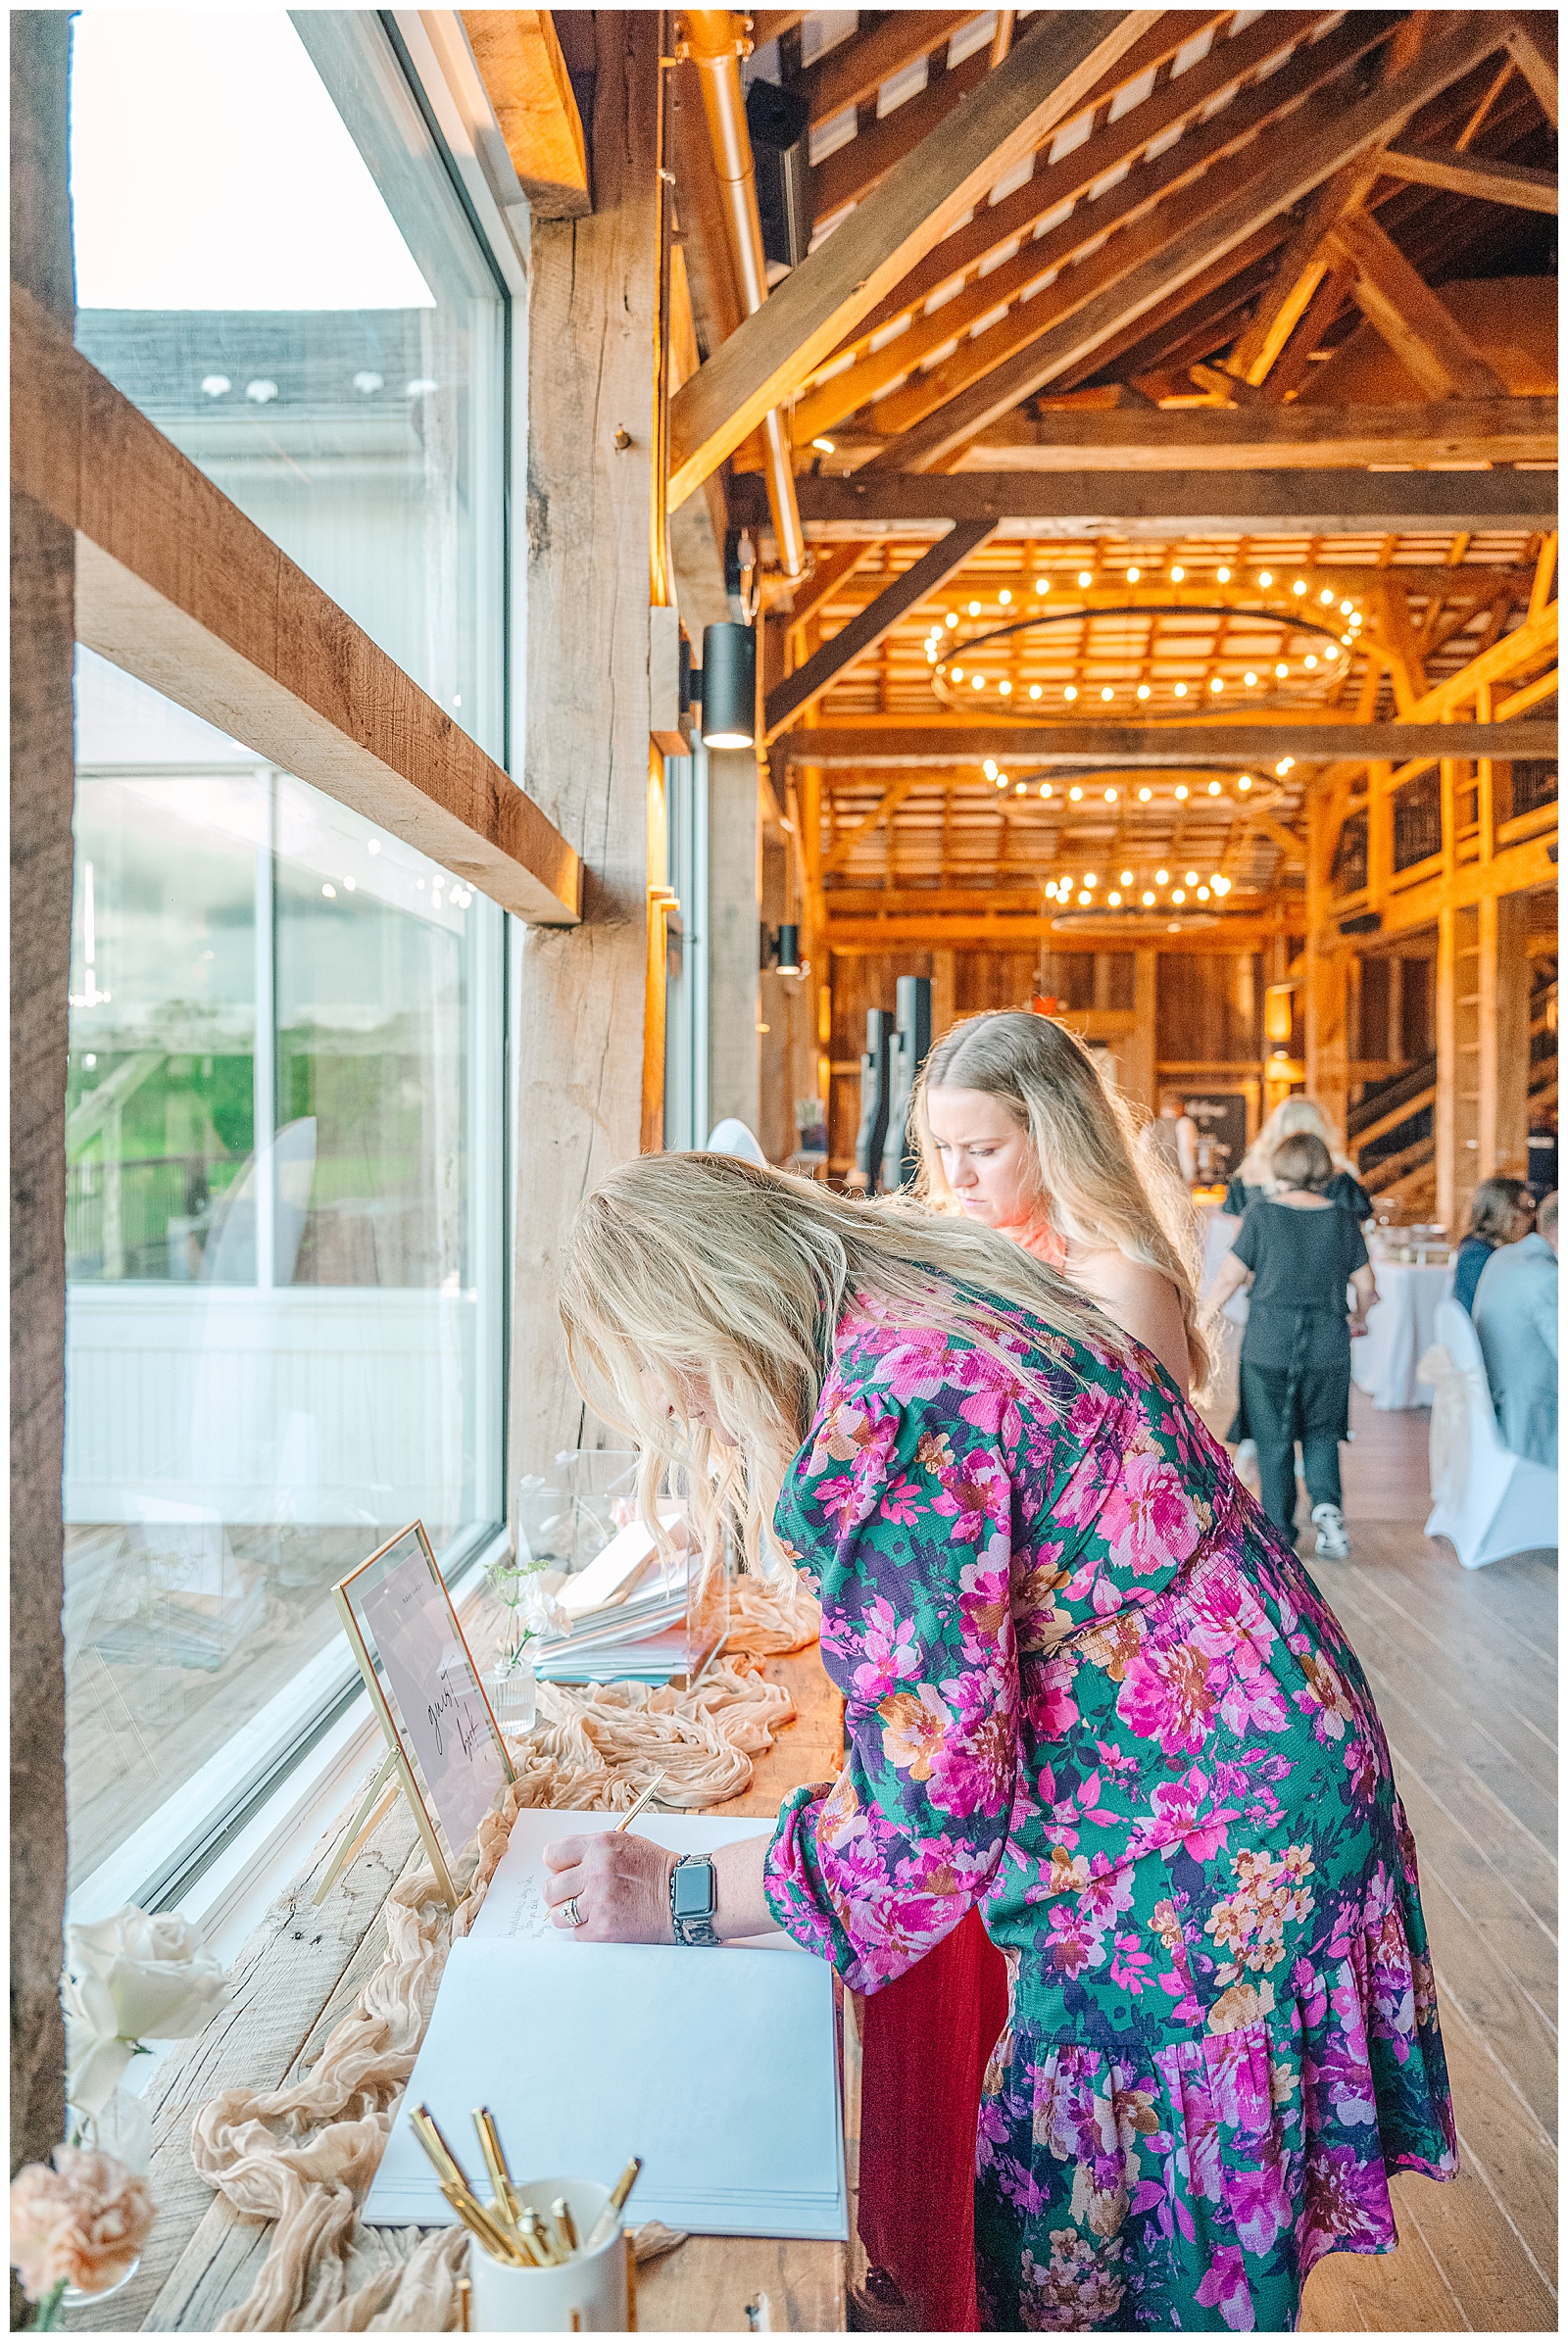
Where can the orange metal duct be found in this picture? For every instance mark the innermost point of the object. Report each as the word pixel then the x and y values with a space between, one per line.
pixel 714 41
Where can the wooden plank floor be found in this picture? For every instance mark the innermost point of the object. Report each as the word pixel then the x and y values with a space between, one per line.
pixel 1463 1667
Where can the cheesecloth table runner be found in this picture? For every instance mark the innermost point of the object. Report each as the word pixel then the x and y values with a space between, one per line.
pixel 304 2156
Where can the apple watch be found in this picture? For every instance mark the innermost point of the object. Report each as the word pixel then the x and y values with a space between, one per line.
pixel 692 1900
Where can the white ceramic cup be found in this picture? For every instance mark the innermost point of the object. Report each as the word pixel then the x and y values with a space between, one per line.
pixel 541 2301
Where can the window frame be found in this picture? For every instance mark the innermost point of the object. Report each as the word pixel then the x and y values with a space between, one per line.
pixel 258 1796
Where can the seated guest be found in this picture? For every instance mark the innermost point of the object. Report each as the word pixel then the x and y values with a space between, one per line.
pixel 1500 1213
pixel 1515 1313
pixel 1293 1118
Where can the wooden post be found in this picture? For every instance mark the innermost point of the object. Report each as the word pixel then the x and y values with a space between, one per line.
pixel 944 992
pixel 42 782
pixel 582 993
pixel 1505 1130
pixel 1327 1045
pixel 1137 1052
pixel 734 935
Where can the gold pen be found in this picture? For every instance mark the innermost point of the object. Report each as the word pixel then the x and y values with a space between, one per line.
pixel 428 2130
pixel 612 2210
pixel 474 2217
pixel 484 2122
pixel 632 1811
pixel 561 2212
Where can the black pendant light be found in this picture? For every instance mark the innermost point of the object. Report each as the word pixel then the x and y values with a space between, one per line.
pixel 729 685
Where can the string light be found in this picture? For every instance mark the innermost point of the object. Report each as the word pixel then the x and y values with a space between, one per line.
pixel 1203 894
pixel 1045 787
pixel 1146 898
pixel 1216 682
pixel 1161 878
pixel 1004 597
pixel 1178 895
pixel 1090 879
pixel 951 618
pixel 1033 691
pixel 1077 796
pixel 1144 796
pixel 1299 587
pixel 1327 596
pixel 1110 797
pixel 974 609
pixel 1115 900
pixel 1347 610
pixel 1106 693
pixel 1177 574
pixel 1331 650
pixel 1132 575
pixel 1265 578
pixel 1309 661
pixel 1281 669
pixel 1223 575
pixel 958 674
pixel 1142 691
pixel 1245 781
pixel 1084 902
pixel 990 768
pixel 977 683
pixel 1042 585
pixel 1251 678
pixel 1006 688
pixel 1213 788
pixel 1072 692
pixel 1021 789
pixel 823 447
pixel 1221 886
pixel 1188 878
pixel 1086 578
pixel 1180 691
pixel 1181 792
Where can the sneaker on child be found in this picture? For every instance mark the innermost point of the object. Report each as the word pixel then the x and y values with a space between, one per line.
pixel 1333 1544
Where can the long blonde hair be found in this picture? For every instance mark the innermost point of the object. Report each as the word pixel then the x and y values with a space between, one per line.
pixel 1099 1187
pixel 684 1266
pixel 1291 1118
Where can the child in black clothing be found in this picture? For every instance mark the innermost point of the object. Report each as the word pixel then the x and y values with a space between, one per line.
pixel 1301 1251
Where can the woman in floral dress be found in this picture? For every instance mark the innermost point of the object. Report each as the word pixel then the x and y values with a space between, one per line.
pixel 1086 1691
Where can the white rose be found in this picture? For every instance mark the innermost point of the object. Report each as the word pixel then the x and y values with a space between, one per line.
pixel 130 1978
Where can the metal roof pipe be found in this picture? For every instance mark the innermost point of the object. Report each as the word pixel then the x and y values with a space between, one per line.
pixel 715 39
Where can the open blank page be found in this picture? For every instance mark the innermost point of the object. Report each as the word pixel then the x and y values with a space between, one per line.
pixel 720 2073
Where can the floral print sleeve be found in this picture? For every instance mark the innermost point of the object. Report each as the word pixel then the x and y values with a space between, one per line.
pixel 905 1486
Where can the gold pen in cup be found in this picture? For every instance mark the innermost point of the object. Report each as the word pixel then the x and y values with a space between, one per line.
pixel 561 2213
pixel 612 2213
pixel 474 2217
pixel 484 2122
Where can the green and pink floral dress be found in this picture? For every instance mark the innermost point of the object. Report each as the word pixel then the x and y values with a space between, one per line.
pixel 1088 1689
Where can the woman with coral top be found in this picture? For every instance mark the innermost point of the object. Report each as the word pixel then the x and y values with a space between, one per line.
pixel 1087 1693
pixel 1015 1129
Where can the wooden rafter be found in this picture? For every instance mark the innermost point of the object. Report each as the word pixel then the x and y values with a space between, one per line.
pixel 526 81
pixel 869 625
pixel 1067 182
pixel 855 69
pixel 882 502
pixel 1291 170
pixel 1447 432
pixel 1532 42
pixel 1421 331
pixel 1473 175
pixel 764 361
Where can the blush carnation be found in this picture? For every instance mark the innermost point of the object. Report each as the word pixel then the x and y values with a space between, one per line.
pixel 82 2223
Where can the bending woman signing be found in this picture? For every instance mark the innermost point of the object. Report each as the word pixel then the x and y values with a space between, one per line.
pixel 1086 1689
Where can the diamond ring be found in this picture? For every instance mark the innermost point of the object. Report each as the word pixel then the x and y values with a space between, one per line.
pixel 572 1912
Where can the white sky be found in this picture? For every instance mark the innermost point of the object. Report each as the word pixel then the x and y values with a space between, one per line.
pixel 210 170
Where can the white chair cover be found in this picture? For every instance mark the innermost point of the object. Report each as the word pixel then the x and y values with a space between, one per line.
pixel 1485 1500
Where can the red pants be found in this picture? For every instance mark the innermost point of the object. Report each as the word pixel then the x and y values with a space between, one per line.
pixel 928 2036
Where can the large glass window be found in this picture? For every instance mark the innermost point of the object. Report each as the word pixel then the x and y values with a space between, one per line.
pixel 272 264
pixel 283 1232
pixel 285 1114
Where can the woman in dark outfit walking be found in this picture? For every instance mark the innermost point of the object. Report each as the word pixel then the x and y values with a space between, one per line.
pixel 1302 1253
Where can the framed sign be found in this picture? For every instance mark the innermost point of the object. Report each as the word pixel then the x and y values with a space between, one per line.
pixel 443 1740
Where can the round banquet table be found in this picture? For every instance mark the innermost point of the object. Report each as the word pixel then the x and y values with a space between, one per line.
pixel 1400 1332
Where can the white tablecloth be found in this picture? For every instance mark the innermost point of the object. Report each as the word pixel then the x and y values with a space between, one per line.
pixel 1400 1332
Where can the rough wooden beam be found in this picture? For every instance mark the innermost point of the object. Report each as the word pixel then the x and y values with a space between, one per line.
pixel 866 628
pixel 1292 168
pixel 1447 431
pixel 760 366
pixel 883 742
pixel 886 804
pixel 526 77
pixel 1473 175
pixel 856 69
pixel 179 587
pixel 884 502
pixel 1421 331
pixel 994 225
pixel 1532 42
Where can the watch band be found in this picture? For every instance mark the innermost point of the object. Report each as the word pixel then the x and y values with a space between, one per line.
pixel 694 1929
